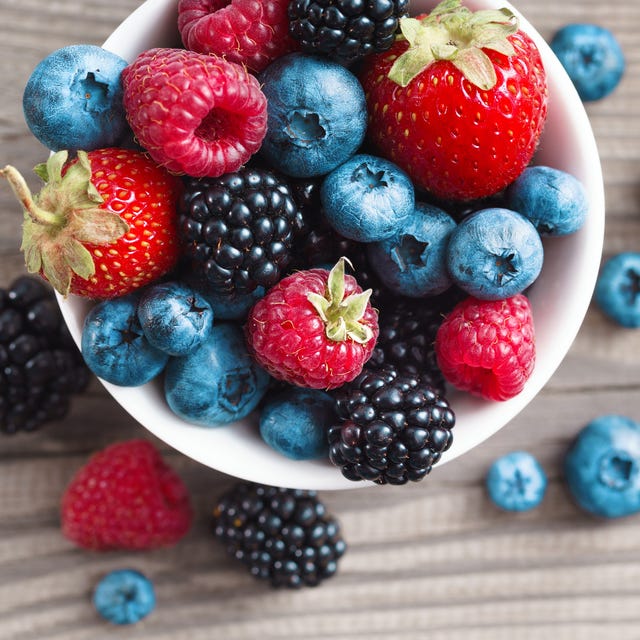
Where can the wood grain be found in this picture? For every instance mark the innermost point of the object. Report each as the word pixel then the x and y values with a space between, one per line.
pixel 433 560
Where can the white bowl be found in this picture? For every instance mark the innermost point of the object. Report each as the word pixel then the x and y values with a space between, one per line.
pixel 559 298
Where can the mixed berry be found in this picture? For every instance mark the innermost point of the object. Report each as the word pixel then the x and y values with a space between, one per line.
pixel 124 596
pixel 323 210
pixel 283 536
pixel 126 496
pixel 41 368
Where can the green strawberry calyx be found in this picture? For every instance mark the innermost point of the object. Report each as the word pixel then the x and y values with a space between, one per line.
pixel 457 34
pixel 62 218
pixel 342 315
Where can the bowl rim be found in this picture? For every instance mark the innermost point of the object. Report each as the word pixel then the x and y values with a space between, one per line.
pixel 213 447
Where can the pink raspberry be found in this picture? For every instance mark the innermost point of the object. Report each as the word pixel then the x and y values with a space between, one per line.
pixel 195 114
pixel 487 347
pixel 126 497
pixel 250 32
pixel 313 329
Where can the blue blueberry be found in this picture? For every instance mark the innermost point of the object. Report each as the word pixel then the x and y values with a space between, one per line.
pixel 124 597
pixel 602 467
pixel 413 261
pixel 174 317
pixel 114 346
pixel 516 482
pixel 367 198
pixel 494 254
pixel 592 58
pixel 317 115
pixel 218 383
pixel 73 99
pixel 618 289
pixel 228 305
pixel 296 422
pixel 554 200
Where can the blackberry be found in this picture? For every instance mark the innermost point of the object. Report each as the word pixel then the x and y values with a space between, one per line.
pixel 395 427
pixel 238 231
pixel 345 29
pixel 40 365
pixel 284 536
pixel 408 330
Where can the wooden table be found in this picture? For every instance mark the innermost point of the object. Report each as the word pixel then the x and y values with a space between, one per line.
pixel 433 560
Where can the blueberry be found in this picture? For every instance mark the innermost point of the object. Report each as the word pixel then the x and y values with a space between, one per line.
pixel 602 467
pixel 218 383
pixel 317 114
pixel 412 262
pixel 124 597
pixel 618 289
pixel 554 200
pixel 592 58
pixel 494 254
pixel 367 198
pixel 516 482
pixel 174 317
pixel 115 347
pixel 296 422
pixel 73 99
pixel 229 305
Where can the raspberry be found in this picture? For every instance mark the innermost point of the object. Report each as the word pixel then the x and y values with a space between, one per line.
pixel 487 347
pixel 314 329
pixel 250 32
pixel 126 497
pixel 194 113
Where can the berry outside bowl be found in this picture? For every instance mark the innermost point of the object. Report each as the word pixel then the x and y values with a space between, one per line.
pixel 559 298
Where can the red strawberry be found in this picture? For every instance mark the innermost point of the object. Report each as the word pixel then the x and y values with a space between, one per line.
pixel 460 102
pixel 126 497
pixel 194 113
pixel 103 225
pixel 250 32
pixel 314 328
pixel 487 347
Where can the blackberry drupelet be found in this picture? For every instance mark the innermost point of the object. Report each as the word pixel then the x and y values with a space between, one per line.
pixel 395 427
pixel 408 330
pixel 238 231
pixel 345 29
pixel 40 366
pixel 284 536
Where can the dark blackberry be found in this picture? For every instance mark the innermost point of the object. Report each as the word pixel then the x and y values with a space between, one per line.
pixel 40 365
pixel 395 426
pixel 345 29
pixel 408 330
pixel 284 536
pixel 238 231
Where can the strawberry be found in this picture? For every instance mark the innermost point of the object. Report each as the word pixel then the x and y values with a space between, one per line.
pixel 103 225
pixel 315 328
pixel 126 497
pixel 459 102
